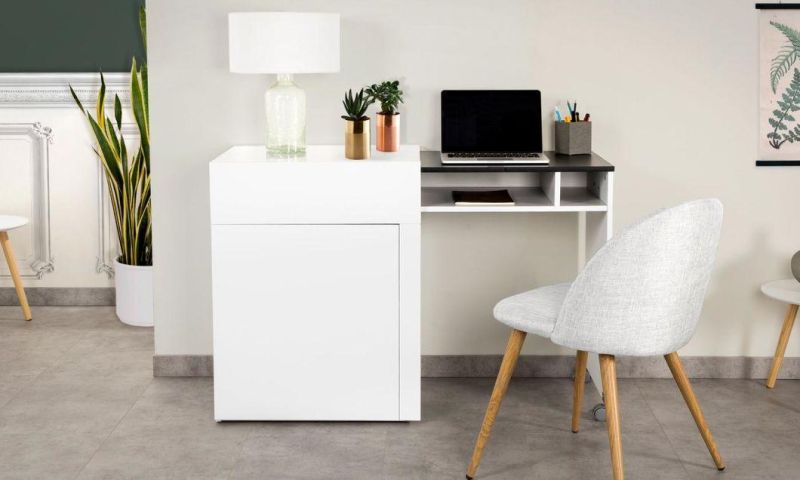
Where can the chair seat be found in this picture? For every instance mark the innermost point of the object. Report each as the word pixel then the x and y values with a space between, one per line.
pixel 10 222
pixel 534 311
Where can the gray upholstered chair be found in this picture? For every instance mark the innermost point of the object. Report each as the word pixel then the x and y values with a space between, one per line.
pixel 640 295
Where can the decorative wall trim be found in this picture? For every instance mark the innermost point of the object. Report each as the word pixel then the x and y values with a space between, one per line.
pixel 72 297
pixel 108 246
pixel 49 90
pixel 535 366
pixel 41 137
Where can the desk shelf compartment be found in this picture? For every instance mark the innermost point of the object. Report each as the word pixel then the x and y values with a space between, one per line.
pixel 532 192
pixel 585 191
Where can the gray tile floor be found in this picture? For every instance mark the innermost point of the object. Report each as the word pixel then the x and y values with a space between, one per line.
pixel 77 400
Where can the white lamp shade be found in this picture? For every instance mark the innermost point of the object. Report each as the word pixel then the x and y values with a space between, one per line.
pixel 283 42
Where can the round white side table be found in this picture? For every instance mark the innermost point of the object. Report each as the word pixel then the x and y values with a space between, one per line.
pixel 787 291
pixel 10 222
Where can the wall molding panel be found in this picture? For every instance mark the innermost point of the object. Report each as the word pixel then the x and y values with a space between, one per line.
pixel 53 176
pixel 39 137
pixel 51 90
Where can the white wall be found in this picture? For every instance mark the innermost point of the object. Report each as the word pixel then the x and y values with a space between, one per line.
pixel 671 87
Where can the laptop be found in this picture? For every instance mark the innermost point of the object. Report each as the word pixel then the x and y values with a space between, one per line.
pixel 488 127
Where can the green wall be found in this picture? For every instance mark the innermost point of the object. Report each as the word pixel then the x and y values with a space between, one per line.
pixel 69 35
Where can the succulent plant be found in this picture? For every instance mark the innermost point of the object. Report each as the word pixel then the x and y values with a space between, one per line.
pixel 389 95
pixel 356 105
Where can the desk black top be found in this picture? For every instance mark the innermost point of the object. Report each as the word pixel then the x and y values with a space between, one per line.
pixel 432 162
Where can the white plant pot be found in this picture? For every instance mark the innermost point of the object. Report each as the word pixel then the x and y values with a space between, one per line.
pixel 134 294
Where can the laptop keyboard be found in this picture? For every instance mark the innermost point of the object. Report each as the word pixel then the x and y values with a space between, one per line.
pixel 493 155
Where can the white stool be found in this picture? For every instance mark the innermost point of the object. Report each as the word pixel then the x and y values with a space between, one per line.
pixel 9 222
pixel 787 291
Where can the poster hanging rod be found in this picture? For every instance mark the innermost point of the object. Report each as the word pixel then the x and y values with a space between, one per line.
pixel 777 163
pixel 777 6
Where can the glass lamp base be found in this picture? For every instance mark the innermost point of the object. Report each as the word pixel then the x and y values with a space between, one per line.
pixel 285 104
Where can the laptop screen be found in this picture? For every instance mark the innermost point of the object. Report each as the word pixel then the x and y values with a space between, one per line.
pixel 482 121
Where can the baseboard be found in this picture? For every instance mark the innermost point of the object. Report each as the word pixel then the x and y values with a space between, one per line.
pixel 183 366
pixel 50 297
pixel 531 366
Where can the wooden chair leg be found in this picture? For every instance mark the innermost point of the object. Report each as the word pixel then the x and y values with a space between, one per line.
pixel 685 387
pixel 608 371
pixel 783 339
pixel 510 357
pixel 12 267
pixel 577 395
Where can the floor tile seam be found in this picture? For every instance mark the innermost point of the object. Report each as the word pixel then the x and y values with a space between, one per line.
pixel 663 430
pixel 114 428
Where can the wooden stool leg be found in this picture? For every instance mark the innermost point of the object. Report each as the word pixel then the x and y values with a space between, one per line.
pixel 685 387
pixel 513 348
pixel 577 395
pixel 12 266
pixel 786 330
pixel 608 371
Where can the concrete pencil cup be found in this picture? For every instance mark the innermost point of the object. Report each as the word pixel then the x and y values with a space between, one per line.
pixel 574 138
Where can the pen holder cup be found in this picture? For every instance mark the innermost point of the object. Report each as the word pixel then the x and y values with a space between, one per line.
pixel 574 138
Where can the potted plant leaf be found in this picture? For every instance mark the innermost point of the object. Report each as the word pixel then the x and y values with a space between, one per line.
pixel 387 128
pixel 127 173
pixel 356 129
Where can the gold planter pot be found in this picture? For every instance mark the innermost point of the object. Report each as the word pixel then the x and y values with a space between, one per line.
pixel 387 132
pixel 356 139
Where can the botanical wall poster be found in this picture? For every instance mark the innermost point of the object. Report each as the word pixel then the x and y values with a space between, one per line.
pixel 779 85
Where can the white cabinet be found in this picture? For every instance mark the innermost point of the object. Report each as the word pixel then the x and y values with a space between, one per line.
pixel 315 275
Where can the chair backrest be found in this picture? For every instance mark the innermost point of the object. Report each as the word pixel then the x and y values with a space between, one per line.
pixel 642 292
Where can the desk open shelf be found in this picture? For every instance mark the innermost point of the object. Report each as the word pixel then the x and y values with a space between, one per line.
pixel 568 184
pixel 440 199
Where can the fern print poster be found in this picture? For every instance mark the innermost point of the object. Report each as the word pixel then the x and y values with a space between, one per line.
pixel 779 85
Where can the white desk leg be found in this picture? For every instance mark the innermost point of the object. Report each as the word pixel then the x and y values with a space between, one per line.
pixel 586 250
pixel 597 230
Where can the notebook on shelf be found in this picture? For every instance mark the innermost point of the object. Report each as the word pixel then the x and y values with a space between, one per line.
pixel 483 197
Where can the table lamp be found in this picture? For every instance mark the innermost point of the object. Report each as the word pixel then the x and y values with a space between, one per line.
pixel 284 43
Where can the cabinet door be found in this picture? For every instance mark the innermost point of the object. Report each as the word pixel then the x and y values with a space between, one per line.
pixel 305 322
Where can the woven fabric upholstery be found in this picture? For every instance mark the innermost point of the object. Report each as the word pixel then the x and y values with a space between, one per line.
pixel 534 311
pixel 641 294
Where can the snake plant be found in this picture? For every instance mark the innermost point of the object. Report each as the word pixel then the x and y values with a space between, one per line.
pixel 127 172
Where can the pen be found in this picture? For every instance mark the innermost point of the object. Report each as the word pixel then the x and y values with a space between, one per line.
pixel 586 118
pixel 558 114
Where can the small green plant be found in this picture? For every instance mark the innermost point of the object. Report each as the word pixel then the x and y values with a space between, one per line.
pixel 389 95
pixel 789 102
pixel 355 106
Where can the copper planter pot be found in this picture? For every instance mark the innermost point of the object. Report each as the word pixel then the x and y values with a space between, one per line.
pixel 356 139
pixel 387 131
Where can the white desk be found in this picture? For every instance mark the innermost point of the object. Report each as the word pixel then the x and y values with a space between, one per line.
pixel 316 271
pixel 582 184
